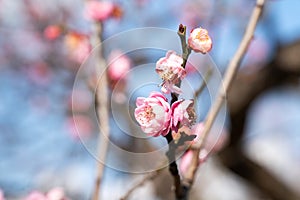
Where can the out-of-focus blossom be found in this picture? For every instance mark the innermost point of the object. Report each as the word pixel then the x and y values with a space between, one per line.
pixel 200 41
pixel 36 195
pixel 190 69
pixel 215 141
pixel 153 114
pixel 53 194
pixel 52 32
pixel 190 15
pixel 78 46
pixel 101 10
pixel 183 112
pixel 1 195
pixel 187 158
pixel 197 129
pixel 56 194
pixel 118 65
pixel 170 70
pixel 79 126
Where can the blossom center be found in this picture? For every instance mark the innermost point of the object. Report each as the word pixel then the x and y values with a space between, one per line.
pixel 146 115
pixel 202 37
pixel 167 75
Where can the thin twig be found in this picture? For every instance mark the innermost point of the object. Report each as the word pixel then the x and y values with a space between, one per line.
pixel 102 111
pixel 228 78
pixel 149 177
pixel 203 84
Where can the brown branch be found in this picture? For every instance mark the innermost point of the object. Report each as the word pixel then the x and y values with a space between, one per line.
pixel 102 111
pixel 228 78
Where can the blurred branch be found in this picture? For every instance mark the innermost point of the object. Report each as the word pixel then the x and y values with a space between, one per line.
pixel 278 72
pixel 205 80
pixel 101 94
pixel 267 183
pixel 149 177
pixel 228 78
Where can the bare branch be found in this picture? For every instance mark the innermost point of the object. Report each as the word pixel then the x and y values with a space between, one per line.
pixel 102 111
pixel 228 78
pixel 203 84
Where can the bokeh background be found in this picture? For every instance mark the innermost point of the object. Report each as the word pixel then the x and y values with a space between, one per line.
pixel 39 144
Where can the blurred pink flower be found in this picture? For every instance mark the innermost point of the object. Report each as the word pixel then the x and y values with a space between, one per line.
pixel 79 126
pixel 78 46
pixel 101 10
pixel 213 143
pixel 170 70
pixel 36 195
pixel 153 114
pixel 98 11
pixel 187 158
pixel 197 129
pixel 1 195
pixel 56 194
pixel 183 111
pixel 119 65
pixel 190 69
pixel 53 194
pixel 52 32
pixel 200 41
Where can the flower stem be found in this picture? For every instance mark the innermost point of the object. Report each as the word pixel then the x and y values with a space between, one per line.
pixel 173 168
pixel 186 51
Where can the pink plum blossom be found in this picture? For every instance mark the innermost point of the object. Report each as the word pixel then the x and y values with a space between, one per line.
pixel 119 65
pixel 213 143
pixel 197 129
pixel 78 46
pixel 187 158
pixel 79 126
pixel 101 10
pixel 36 195
pixel 183 111
pixel 52 32
pixel 153 114
pixel 200 41
pixel 98 11
pixel 170 70
pixel 56 194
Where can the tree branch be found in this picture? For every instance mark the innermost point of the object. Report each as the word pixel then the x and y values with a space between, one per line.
pixel 228 78
pixel 203 84
pixel 102 111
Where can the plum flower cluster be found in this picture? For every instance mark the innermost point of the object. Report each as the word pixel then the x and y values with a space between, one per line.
pixel 157 117
pixel 154 114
